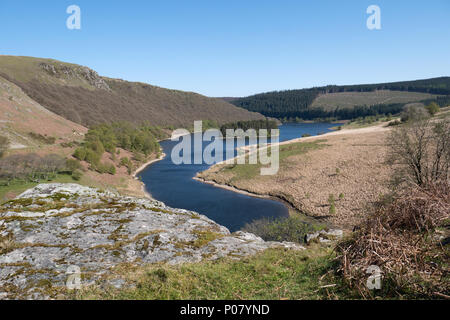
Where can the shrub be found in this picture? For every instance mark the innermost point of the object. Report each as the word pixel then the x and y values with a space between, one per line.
pixel 73 165
pixel 331 199
pixel 414 113
pixel 138 157
pixel 125 162
pixel 42 138
pixel 394 123
pixel 70 144
pixel 105 168
pixel 92 157
pixel 77 175
pixel 80 154
pixel 398 237
pixel 291 229
pixel 433 108
pixel 332 209
pixel 112 169
pixel 4 145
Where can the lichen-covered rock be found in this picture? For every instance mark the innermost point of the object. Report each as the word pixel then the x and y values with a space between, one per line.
pixel 325 236
pixel 75 72
pixel 53 228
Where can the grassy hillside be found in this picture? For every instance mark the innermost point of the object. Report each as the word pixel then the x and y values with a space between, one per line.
pixel 27 124
pixel 347 102
pixel 79 94
pixel 332 101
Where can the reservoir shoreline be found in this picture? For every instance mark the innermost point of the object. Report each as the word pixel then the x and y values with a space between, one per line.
pixel 231 207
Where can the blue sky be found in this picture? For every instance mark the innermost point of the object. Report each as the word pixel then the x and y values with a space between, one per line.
pixel 236 47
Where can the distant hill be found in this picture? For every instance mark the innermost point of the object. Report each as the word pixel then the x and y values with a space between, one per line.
pixel 80 95
pixel 229 99
pixel 347 102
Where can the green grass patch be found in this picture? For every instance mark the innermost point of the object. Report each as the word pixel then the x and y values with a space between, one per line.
pixel 16 187
pixel 273 274
pixel 249 171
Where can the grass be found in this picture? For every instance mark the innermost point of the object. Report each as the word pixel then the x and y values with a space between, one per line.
pixel 365 122
pixel 72 96
pixel 25 68
pixel 273 274
pixel 16 187
pixel 249 171
pixel 351 99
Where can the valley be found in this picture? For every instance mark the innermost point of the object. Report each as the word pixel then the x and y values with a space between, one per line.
pixel 88 158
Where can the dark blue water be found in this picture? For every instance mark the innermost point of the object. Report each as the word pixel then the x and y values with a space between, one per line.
pixel 173 185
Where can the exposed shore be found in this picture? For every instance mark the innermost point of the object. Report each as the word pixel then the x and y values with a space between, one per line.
pixel 234 189
pixel 143 167
pixel 356 154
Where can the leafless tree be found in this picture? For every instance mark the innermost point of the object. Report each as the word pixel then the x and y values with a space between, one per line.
pixel 421 151
pixel 30 167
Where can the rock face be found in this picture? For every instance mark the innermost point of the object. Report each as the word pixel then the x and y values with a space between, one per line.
pixel 53 229
pixel 324 236
pixel 60 70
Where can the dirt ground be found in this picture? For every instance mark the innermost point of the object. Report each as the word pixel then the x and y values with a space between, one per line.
pixel 351 167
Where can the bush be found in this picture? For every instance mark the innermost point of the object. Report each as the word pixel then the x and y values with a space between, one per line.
pixel 398 237
pixel 69 144
pixel 433 108
pixel 42 138
pixel 80 154
pixel 73 165
pixel 291 229
pixel 77 175
pixel 332 209
pixel 92 157
pixel 394 123
pixel 4 145
pixel 414 113
pixel 105 168
pixel 112 169
pixel 125 162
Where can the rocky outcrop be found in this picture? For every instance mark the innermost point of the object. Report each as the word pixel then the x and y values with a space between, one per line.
pixel 324 236
pixel 75 72
pixel 53 229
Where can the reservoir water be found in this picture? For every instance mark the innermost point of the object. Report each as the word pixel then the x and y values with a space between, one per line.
pixel 173 185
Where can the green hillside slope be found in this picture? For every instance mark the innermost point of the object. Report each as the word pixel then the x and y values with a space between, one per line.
pixel 79 94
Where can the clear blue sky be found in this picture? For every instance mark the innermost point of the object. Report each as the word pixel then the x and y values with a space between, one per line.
pixel 236 47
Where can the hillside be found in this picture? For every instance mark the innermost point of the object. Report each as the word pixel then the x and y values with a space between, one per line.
pixel 25 122
pixel 80 95
pixel 347 102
